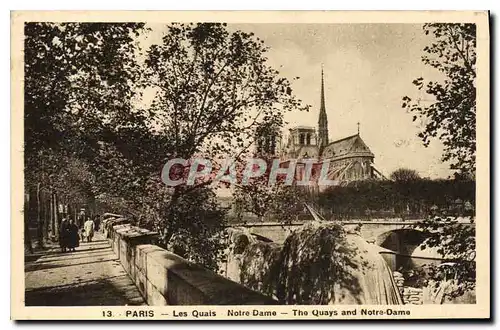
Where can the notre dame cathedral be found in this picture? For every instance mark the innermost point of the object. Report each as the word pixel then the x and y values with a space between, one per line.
pixel 350 158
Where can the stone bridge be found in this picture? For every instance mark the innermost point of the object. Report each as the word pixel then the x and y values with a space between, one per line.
pixel 394 234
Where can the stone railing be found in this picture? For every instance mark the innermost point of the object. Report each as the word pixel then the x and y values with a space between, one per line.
pixel 164 278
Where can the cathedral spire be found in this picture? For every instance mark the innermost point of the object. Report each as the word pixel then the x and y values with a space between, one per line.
pixel 322 121
pixel 322 106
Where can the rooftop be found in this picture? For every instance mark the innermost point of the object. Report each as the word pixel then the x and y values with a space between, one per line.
pixel 302 127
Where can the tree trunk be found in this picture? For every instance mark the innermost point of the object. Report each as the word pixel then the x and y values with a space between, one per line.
pixel 46 217
pixel 76 214
pixel 56 220
pixel 28 248
pixel 51 210
pixel 39 218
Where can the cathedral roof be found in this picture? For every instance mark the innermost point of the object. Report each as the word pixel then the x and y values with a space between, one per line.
pixel 346 146
pixel 302 127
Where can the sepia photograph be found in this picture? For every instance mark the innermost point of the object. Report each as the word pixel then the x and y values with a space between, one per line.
pixel 264 163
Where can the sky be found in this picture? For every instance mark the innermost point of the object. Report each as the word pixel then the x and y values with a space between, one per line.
pixel 368 68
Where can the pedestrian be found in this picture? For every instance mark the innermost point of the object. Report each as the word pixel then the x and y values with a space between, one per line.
pixel 97 222
pixel 73 236
pixel 89 227
pixel 81 219
pixel 64 235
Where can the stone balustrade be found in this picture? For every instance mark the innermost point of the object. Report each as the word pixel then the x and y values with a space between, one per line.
pixel 164 278
pixel 107 225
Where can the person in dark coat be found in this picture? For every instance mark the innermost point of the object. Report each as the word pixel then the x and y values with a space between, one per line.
pixel 73 236
pixel 64 235
pixel 97 222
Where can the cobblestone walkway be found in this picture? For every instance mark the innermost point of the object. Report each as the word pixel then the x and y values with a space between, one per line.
pixel 90 276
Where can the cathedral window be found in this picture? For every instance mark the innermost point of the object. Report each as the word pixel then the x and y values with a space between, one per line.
pixel 358 170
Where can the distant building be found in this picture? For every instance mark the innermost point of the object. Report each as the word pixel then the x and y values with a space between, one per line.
pixel 350 157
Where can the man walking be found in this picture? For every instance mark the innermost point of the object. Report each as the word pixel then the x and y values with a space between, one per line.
pixel 89 227
pixel 64 235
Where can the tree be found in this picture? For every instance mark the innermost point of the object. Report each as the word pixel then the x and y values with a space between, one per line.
pixel 384 197
pixel 405 184
pixel 280 202
pixel 201 222
pixel 78 79
pixel 267 199
pixel 212 89
pixel 404 175
pixel 83 81
pixel 451 116
pixel 456 243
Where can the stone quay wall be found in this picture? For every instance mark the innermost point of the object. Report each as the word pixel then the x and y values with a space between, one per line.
pixel 164 278
pixel 410 295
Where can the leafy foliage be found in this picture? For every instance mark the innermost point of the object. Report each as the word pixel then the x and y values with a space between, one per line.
pixel 277 201
pixel 78 78
pixel 389 199
pixel 451 116
pixel 455 242
pixel 213 88
pixel 77 83
pixel 197 223
pixel 315 262
pixel 404 175
pixel 259 268
pixel 91 139
pixel 319 264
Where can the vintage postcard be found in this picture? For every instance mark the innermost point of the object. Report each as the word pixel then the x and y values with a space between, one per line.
pixel 250 165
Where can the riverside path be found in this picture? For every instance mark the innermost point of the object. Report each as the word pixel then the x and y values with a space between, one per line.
pixel 90 276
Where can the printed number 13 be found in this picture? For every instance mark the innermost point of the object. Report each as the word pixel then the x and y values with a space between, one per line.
pixel 107 313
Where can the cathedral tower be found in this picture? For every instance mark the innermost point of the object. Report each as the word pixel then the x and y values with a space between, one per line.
pixel 322 121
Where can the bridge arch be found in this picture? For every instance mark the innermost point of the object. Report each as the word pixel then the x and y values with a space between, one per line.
pixel 241 236
pixel 262 238
pixel 403 241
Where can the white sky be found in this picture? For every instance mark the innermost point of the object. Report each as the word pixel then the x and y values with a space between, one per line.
pixel 368 69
